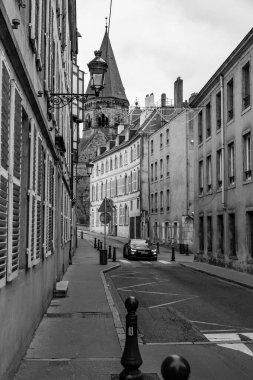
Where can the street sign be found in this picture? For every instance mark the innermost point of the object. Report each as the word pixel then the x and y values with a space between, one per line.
pixel 106 205
pixel 105 218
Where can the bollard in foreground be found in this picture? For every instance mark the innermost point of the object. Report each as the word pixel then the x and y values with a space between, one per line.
pixel 95 242
pixel 131 359
pixel 175 367
pixel 110 252
pixel 103 257
pixel 81 234
pixel 114 254
pixel 173 253
pixel 98 246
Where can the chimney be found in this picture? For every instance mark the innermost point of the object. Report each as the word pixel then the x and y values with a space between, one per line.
pixel 163 100
pixel 193 95
pixel 151 100
pixel 147 101
pixel 178 93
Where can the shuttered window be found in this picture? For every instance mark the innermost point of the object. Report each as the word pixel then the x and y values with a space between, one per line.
pixel 35 193
pixel 10 173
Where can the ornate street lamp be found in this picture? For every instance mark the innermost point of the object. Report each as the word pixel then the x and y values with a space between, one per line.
pixel 97 68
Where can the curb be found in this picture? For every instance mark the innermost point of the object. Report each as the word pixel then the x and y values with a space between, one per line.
pixel 116 318
pixel 218 276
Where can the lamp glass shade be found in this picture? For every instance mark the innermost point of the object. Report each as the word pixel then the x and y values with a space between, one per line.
pixel 89 166
pixel 98 68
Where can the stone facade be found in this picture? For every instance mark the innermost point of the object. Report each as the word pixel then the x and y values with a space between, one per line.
pixel 223 128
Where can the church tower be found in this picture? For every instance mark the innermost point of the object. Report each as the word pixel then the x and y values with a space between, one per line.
pixel 111 107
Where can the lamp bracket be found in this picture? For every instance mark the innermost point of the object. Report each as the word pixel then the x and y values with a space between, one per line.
pixel 60 100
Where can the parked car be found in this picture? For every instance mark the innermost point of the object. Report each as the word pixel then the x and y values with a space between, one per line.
pixel 140 249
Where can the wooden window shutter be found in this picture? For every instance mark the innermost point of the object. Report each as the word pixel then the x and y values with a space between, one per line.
pixel 35 192
pixel 5 131
pixel 14 170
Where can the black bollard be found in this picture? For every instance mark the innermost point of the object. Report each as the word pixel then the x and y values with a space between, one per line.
pixel 95 242
pixel 101 245
pixel 81 234
pixel 131 358
pixel 114 254
pixel 173 253
pixel 158 247
pixel 175 367
pixel 98 246
pixel 109 252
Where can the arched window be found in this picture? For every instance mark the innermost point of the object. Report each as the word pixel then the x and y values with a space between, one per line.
pixel 126 215
pixel 102 190
pixel 138 150
pixel 102 168
pixel 116 162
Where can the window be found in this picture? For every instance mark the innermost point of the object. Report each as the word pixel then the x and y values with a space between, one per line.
pixel 138 203
pixel 231 234
pixel 116 162
pixel 152 172
pixel 208 120
pixel 161 168
pixel 131 205
pixel 111 165
pixel 167 199
pixel 219 169
pixel 249 231
pixel 246 86
pixel 161 201
pixel 121 215
pixel 155 171
pixel 152 146
pixel 200 127
pixel 218 111
pixel 156 204
pixel 125 157
pixel 138 150
pixel 101 190
pixel 120 161
pixel 201 233
pixel 161 141
pixel 167 166
pixel 201 177
pixel 106 166
pixel 220 234
pixel 167 136
pixel 126 215
pixel 209 232
pixel 102 168
pixel 126 184
pixel 152 202
pixel 209 173
pixel 231 163
pixel 230 100
pixel 247 156
pixel 134 181
pixel 131 155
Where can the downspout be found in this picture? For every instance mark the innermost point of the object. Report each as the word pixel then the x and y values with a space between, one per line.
pixel 222 143
pixel 223 194
pixel 187 162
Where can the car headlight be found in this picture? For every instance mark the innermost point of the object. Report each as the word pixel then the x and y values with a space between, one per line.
pixel 154 251
pixel 133 250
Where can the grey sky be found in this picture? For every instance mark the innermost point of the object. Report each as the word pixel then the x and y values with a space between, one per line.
pixel 155 41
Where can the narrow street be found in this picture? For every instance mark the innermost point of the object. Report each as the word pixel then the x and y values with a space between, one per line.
pixel 189 309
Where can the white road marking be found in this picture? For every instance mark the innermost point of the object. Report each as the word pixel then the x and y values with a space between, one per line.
pixel 218 324
pixel 170 303
pixel 146 262
pixel 164 262
pixel 235 340
pixel 147 283
pixel 248 335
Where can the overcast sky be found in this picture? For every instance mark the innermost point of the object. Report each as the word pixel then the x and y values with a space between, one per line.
pixel 155 41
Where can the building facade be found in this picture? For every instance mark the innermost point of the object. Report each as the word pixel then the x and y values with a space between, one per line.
pixel 116 176
pixel 223 207
pixel 171 181
pixel 37 48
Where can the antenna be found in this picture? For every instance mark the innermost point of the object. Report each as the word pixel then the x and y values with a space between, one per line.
pixel 108 27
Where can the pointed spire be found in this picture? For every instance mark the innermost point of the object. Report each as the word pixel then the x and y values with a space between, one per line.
pixel 113 84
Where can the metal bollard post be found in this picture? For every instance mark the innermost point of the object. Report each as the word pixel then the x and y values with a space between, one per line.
pixel 114 254
pixel 101 245
pixel 175 367
pixel 95 242
pixel 81 234
pixel 131 358
pixel 98 245
pixel 173 253
pixel 109 252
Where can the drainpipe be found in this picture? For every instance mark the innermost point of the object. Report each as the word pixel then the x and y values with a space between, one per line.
pixel 223 194
pixel 187 162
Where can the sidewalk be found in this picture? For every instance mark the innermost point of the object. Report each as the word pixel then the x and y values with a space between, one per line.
pixel 77 337
pixel 81 336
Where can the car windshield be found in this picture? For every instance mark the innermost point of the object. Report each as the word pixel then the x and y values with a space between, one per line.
pixel 140 243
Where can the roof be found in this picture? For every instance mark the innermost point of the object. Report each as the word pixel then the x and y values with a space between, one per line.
pixel 113 83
